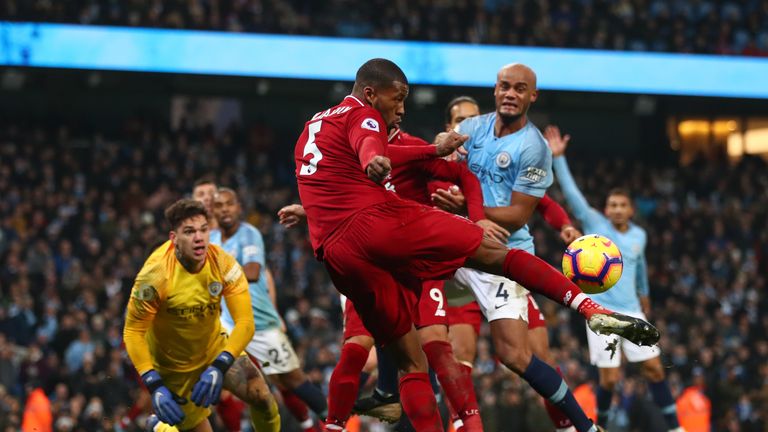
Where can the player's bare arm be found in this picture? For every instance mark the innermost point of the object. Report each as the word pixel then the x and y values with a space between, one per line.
pixel 516 215
pixel 252 271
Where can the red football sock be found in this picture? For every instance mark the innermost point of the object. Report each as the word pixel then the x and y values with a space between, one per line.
pixel 298 408
pixel 419 402
pixel 538 276
pixel 559 419
pixel 456 383
pixel 345 380
pixel 230 409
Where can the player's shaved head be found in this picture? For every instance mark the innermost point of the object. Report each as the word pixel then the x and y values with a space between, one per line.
pixel 514 93
pixel 226 190
pixel 381 84
pixel 516 72
pixel 379 73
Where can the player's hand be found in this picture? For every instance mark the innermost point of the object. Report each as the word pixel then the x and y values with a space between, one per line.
pixel 451 200
pixel 449 142
pixel 557 142
pixel 494 230
pixel 164 402
pixel 291 215
pixel 207 390
pixel 378 168
pixel 569 233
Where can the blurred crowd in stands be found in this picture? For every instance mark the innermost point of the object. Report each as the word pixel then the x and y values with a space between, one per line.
pixel 733 27
pixel 79 212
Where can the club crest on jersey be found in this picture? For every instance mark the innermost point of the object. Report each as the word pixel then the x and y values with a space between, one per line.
pixel 370 124
pixel 145 292
pixel 215 288
pixel 503 159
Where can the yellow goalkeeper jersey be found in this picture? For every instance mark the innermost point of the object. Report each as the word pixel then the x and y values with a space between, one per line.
pixel 172 320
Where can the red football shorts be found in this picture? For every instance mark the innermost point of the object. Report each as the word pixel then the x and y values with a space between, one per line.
pixel 431 308
pixel 353 325
pixel 469 313
pixel 384 248
pixel 535 317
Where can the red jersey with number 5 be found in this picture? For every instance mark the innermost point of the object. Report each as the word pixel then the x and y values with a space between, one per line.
pixel 332 183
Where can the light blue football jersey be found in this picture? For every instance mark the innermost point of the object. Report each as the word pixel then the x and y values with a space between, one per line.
pixel 519 162
pixel 624 296
pixel 247 246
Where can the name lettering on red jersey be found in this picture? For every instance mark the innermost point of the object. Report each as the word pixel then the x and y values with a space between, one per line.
pixel 331 111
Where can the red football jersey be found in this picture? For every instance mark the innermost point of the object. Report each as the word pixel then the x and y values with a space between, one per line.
pixel 411 180
pixel 332 183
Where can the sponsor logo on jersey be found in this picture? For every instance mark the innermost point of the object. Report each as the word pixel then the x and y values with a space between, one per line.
pixel 534 174
pixel 215 288
pixel 250 250
pixel 503 159
pixel 370 124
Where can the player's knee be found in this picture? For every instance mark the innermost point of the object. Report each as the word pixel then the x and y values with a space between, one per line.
pixel 516 359
pixel 257 394
pixel 433 333
pixel 489 256
pixel 463 353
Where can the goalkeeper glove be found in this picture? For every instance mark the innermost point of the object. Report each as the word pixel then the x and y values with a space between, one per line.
pixel 164 402
pixel 207 390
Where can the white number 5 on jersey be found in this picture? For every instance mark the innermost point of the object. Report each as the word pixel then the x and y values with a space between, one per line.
pixel 311 148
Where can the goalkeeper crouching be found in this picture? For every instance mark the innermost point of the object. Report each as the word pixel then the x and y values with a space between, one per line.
pixel 173 334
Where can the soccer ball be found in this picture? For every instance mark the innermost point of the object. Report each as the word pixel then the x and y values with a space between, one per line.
pixel 593 262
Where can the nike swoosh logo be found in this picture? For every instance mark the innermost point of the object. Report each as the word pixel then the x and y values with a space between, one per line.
pixel 501 306
pixel 213 382
pixel 157 399
pixel 607 243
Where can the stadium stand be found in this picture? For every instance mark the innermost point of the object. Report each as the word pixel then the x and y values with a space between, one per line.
pixel 702 26
pixel 80 211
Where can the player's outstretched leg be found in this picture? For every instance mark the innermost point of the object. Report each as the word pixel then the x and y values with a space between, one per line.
pixel 538 276
pixel 247 383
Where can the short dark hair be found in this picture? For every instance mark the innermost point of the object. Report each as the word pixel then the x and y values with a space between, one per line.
pixel 455 101
pixel 203 181
pixel 619 191
pixel 182 210
pixel 379 73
